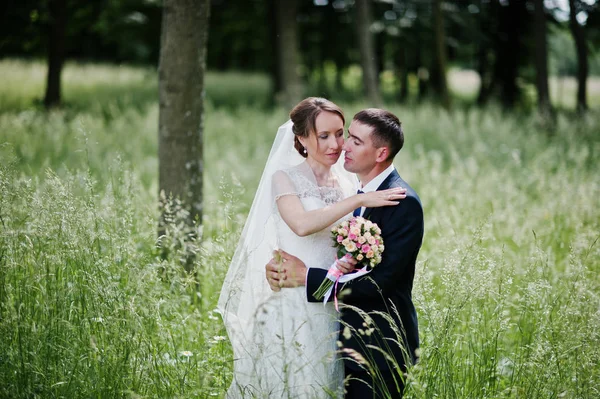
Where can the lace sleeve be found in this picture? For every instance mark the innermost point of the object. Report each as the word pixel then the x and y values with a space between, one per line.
pixel 282 185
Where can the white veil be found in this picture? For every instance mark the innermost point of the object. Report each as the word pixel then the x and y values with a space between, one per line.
pixel 245 290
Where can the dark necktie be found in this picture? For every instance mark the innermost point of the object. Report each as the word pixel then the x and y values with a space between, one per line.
pixel 357 210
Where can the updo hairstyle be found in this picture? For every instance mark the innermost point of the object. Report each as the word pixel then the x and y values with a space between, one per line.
pixel 304 116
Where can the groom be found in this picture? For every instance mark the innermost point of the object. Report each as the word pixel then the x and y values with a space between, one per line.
pixel 385 341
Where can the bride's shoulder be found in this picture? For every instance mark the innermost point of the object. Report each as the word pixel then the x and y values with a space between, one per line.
pixel 292 173
pixel 288 181
pixel 287 176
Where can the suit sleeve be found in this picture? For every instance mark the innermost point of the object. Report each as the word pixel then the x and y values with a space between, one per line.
pixel 314 278
pixel 403 234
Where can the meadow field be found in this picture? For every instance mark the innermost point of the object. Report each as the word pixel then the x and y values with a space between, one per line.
pixel 507 287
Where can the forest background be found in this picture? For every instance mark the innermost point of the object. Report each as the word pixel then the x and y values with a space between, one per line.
pixel 92 303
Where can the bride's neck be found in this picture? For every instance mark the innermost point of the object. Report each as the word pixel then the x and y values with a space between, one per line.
pixel 322 172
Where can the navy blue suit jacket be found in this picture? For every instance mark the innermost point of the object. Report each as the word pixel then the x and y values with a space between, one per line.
pixel 386 292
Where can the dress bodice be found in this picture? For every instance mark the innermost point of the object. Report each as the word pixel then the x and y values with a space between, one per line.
pixel 293 351
pixel 316 249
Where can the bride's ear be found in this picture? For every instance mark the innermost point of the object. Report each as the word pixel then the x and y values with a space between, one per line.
pixel 302 140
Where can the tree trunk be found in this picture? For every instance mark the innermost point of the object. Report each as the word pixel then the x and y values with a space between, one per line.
pixel 56 51
pixel 488 27
pixel 438 78
pixel 420 62
pixel 582 56
pixel 541 61
pixel 484 75
pixel 508 50
pixel 274 69
pixel 182 66
pixel 422 78
pixel 287 52
pixel 402 66
pixel 339 74
pixel 367 52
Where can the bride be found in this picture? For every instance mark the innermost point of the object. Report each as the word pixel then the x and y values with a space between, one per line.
pixel 284 346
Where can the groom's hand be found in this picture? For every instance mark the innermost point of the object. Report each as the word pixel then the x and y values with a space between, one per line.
pixel 288 273
pixel 293 271
pixel 272 273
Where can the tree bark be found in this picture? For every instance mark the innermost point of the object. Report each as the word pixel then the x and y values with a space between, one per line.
pixel 438 78
pixel 508 50
pixel 488 27
pixel 287 52
pixel 274 67
pixel 582 56
pixel 56 51
pixel 402 66
pixel 541 61
pixel 367 52
pixel 182 66
pixel 485 76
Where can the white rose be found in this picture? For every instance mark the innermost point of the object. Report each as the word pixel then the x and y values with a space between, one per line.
pixel 350 247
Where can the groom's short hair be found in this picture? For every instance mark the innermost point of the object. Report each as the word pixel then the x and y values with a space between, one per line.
pixel 387 129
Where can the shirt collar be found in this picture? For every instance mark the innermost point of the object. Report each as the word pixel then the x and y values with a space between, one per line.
pixel 374 184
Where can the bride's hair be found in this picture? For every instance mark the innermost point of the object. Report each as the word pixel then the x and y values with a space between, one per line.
pixel 304 116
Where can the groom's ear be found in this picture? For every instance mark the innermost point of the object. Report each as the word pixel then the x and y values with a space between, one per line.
pixel 382 154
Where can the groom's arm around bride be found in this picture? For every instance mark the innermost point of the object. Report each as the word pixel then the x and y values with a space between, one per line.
pixel 379 321
pixel 386 293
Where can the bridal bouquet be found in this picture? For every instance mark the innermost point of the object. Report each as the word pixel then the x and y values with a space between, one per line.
pixel 360 239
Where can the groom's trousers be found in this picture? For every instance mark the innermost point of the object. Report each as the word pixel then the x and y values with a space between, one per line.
pixel 361 385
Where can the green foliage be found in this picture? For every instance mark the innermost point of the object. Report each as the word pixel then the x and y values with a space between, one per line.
pixel 562 55
pixel 506 287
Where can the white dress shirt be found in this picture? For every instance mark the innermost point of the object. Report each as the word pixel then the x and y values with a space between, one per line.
pixel 374 184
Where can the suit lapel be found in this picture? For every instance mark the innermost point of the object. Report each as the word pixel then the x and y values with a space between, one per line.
pixel 387 183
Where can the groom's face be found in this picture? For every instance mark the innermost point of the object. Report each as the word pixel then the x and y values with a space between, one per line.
pixel 361 154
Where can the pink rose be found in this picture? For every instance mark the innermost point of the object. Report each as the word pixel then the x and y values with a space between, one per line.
pixel 352 237
pixel 340 238
pixel 366 248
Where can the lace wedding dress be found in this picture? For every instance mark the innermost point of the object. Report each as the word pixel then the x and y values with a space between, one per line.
pixel 283 346
pixel 303 363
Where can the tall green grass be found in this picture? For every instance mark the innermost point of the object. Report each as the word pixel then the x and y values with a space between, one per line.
pixel 507 288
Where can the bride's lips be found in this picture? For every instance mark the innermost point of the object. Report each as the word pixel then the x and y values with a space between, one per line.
pixel 333 155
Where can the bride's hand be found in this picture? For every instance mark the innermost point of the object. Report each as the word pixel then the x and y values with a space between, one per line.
pixel 346 264
pixel 387 197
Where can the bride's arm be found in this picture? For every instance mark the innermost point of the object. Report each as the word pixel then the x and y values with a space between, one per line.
pixel 304 222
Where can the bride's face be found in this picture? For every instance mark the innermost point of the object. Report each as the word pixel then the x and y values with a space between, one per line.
pixel 325 145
